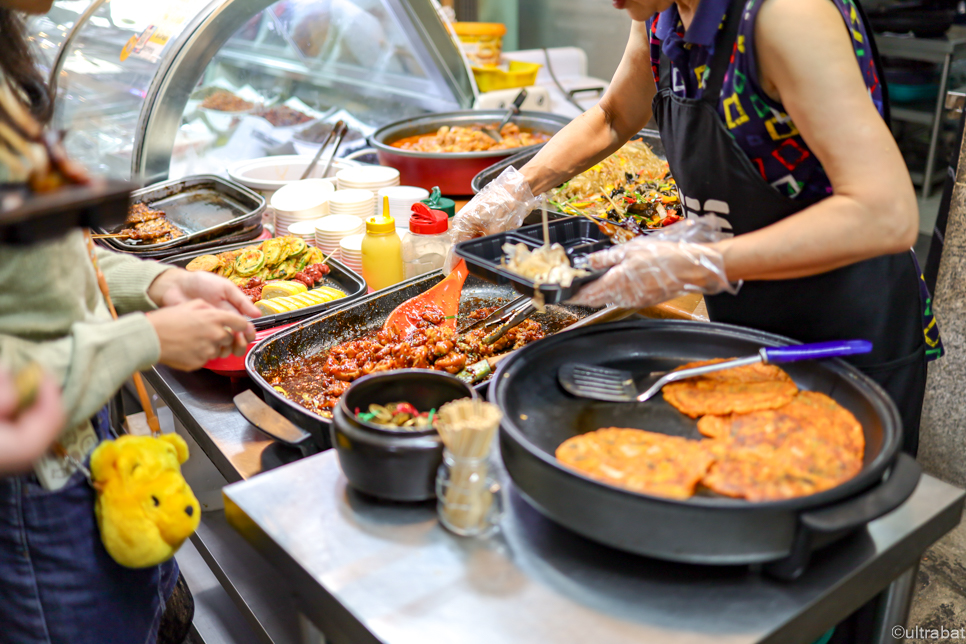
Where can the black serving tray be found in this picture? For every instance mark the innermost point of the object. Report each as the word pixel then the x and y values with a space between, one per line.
pixel 578 235
pixel 340 276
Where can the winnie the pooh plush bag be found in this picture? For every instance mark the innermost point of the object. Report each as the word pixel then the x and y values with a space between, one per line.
pixel 145 509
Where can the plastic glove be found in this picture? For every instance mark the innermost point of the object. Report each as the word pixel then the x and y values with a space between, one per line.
pixel 656 268
pixel 501 205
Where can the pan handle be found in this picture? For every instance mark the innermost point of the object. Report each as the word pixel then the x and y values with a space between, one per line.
pixel 846 516
pixel 864 508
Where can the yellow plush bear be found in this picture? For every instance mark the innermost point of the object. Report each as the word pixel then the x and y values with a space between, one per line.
pixel 145 509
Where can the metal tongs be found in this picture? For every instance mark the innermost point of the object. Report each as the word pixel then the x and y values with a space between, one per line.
pixel 339 131
pixel 507 316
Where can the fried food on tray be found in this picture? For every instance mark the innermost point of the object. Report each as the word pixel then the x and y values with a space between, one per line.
pixel 737 390
pixel 640 461
pixel 316 382
pixel 140 213
pixel 470 139
pixel 153 231
pixel 807 446
pixel 225 101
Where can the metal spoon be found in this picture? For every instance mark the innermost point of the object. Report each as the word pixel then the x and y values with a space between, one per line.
pixel 511 112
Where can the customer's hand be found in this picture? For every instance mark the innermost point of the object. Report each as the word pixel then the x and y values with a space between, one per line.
pixel 501 205
pixel 177 286
pixel 25 434
pixel 195 332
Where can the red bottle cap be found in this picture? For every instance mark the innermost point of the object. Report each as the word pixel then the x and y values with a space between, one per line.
pixel 427 222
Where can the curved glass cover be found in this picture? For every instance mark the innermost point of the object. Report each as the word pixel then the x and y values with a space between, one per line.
pixel 297 67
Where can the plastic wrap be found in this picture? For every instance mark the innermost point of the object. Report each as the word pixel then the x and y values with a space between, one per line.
pixel 500 206
pixel 661 266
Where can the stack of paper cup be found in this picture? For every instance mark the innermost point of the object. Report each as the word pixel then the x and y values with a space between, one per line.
pixel 401 200
pixel 305 230
pixel 331 230
pixel 355 202
pixel 301 201
pixel 368 177
pixel 351 249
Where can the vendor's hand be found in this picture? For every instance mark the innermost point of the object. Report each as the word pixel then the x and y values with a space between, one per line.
pixel 501 205
pixel 650 270
pixel 195 332
pixel 26 434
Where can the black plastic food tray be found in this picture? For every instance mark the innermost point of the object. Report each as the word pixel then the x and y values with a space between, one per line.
pixel 340 276
pixel 578 235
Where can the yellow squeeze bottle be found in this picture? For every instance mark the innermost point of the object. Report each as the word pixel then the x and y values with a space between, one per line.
pixel 382 264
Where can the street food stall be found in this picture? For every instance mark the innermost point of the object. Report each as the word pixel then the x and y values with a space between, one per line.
pixel 319 458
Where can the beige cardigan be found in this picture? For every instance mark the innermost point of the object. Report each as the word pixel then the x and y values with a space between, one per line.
pixel 52 312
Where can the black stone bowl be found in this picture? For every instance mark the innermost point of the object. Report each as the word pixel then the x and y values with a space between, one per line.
pixel 396 465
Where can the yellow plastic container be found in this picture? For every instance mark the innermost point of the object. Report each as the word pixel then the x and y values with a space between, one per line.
pixel 481 41
pixel 520 74
pixel 382 264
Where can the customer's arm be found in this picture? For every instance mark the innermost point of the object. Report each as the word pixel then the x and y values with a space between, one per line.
pixel 91 363
pixel 129 279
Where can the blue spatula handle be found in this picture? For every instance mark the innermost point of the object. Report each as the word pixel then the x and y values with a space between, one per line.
pixel 816 351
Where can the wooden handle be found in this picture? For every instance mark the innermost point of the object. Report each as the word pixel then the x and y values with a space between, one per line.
pixel 149 414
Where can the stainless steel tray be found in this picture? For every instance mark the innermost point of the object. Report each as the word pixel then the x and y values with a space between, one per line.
pixel 203 206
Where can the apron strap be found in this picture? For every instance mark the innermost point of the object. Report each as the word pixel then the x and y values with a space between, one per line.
pixel 879 69
pixel 723 48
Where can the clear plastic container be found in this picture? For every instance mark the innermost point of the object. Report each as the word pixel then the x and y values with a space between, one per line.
pixel 427 243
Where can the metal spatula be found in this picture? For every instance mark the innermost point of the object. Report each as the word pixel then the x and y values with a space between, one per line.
pixel 615 385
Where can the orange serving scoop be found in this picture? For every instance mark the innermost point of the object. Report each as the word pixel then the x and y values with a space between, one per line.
pixel 445 296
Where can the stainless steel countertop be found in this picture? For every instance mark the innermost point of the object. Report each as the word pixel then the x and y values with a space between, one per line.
pixel 202 401
pixel 366 571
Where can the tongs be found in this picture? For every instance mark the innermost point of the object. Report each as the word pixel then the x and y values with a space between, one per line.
pixel 507 316
pixel 338 130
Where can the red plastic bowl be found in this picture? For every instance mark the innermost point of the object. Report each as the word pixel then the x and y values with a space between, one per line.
pixel 234 366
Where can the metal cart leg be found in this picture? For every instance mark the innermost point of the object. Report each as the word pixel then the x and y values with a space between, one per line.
pixel 894 607
pixel 936 126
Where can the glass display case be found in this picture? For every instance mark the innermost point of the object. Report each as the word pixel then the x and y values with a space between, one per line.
pixel 172 87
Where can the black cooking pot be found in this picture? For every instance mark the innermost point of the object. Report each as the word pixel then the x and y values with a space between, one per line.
pixel 706 529
pixel 397 465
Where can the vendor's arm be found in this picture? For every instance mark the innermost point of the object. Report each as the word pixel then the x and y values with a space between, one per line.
pixel 597 133
pixel 807 62
pixel 626 107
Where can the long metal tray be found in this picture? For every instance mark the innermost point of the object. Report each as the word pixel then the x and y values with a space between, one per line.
pixel 363 317
pixel 341 277
pixel 203 206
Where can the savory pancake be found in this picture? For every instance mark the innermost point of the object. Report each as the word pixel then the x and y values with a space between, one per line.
pixel 732 391
pixel 809 445
pixel 640 461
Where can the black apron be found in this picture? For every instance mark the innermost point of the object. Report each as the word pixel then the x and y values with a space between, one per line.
pixel 876 300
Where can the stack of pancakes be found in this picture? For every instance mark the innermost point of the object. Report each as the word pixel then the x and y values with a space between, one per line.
pixel 766 441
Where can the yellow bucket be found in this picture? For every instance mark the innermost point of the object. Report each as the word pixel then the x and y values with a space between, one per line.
pixel 520 74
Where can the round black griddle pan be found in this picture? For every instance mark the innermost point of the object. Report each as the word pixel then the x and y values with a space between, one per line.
pixel 706 529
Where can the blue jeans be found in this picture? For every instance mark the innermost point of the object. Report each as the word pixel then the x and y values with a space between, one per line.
pixel 57 583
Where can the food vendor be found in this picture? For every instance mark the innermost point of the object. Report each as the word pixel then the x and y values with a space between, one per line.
pixel 774 121
pixel 57 581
